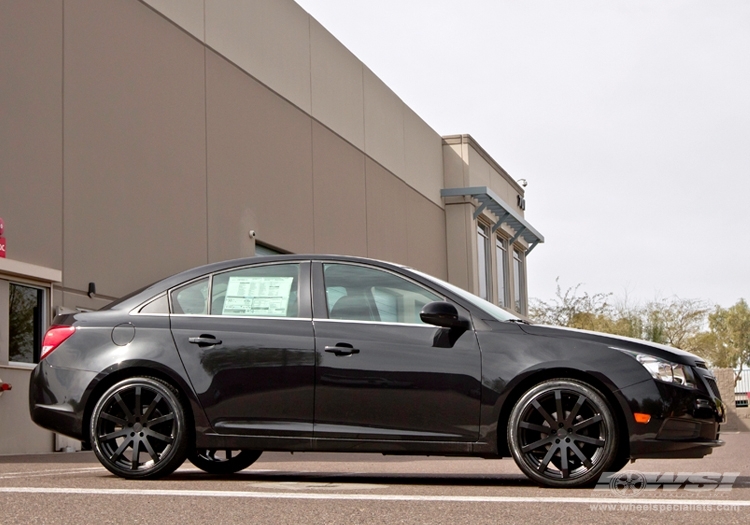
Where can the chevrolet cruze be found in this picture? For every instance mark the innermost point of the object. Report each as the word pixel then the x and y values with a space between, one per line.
pixel 342 354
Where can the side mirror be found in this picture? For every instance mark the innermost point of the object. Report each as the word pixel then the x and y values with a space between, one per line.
pixel 443 313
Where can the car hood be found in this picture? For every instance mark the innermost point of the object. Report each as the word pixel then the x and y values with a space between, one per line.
pixel 617 341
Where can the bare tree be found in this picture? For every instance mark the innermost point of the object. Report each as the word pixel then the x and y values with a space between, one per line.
pixel 674 321
pixel 571 308
pixel 727 343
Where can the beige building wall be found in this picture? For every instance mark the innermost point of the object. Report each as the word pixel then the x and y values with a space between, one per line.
pixel 339 194
pixel 134 147
pixel 259 165
pixel 287 50
pixel 31 116
pixel 337 86
pixel 140 138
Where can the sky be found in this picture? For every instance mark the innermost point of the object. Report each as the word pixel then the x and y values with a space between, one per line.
pixel 630 120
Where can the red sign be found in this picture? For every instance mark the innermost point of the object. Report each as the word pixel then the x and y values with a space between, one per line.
pixel 2 239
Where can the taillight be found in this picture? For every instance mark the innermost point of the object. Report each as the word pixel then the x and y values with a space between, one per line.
pixel 54 338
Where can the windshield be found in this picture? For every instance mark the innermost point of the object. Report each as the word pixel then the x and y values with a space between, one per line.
pixel 491 309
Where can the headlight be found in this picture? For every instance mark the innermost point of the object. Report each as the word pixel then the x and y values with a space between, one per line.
pixel 667 371
pixel 664 370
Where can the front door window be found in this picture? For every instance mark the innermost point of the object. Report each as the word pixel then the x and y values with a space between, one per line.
pixel 356 293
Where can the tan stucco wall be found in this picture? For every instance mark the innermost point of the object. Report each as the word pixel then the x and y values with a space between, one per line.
pixel 286 49
pixel 30 130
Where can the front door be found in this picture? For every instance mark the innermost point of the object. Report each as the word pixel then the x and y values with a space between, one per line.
pixel 383 374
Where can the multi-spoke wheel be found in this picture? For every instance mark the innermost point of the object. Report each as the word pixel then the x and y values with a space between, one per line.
pixel 562 433
pixel 222 461
pixel 138 429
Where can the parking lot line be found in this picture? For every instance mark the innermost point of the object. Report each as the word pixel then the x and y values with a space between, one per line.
pixel 366 497
pixel 42 473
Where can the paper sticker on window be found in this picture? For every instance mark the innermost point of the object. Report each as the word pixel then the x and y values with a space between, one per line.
pixel 259 296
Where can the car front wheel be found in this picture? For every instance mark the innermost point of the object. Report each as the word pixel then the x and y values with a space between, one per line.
pixel 138 429
pixel 562 433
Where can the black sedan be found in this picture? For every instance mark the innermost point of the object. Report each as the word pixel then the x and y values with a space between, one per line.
pixel 344 354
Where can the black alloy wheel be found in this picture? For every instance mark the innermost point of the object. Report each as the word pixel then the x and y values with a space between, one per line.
pixel 562 433
pixel 223 461
pixel 138 429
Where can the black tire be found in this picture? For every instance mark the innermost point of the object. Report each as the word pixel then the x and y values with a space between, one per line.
pixel 223 461
pixel 562 433
pixel 138 429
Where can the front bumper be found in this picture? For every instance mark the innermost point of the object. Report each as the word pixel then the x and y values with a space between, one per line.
pixel 684 422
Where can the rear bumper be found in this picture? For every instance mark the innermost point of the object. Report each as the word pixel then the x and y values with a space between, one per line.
pixel 57 399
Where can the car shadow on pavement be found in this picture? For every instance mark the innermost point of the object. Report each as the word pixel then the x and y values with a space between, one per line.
pixel 438 480
pixel 472 480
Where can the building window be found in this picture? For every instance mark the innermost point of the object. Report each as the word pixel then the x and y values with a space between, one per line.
pixel 26 322
pixel 520 276
pixel 501 252
pixel 483 260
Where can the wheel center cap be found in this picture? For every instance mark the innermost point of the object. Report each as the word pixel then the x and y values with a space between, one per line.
pixel 137 427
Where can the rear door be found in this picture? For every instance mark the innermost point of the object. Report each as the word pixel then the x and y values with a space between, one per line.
pixel 246 338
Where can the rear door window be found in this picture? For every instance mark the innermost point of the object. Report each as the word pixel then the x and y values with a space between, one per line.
pixel 257 291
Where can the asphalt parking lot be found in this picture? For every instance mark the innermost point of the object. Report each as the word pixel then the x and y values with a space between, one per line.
pixel 364 488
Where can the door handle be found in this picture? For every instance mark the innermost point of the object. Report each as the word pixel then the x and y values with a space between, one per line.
pixel 341 350
pixel 204 340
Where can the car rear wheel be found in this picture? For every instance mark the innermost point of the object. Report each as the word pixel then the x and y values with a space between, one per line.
pixel 215 461
pixel 562 433
pixel 138 429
